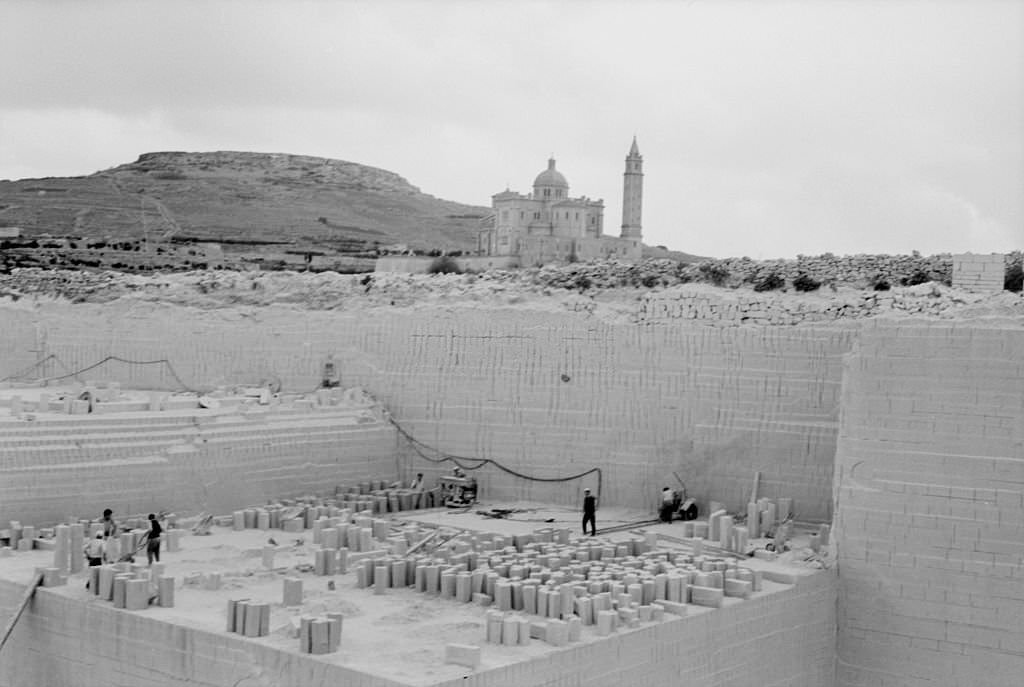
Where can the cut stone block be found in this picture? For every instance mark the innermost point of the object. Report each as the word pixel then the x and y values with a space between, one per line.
pixel 292 591
pixel 706 596
pixel 165 591
pixel 463 655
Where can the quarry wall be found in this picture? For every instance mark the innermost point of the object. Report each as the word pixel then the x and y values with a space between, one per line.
pixel 54 470
pixel 548 394
pixel 930 507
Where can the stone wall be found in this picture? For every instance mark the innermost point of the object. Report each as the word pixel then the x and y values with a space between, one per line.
pixel 978 272
pixel 546 394
pixel 930 507
pixel 74 467
pixel 731 308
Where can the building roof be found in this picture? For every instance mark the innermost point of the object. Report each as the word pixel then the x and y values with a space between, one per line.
pixel 551 177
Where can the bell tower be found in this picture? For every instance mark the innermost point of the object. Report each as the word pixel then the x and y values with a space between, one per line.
pixel 632 194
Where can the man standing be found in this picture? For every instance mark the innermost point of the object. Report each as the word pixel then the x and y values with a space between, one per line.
pixel 153 541
pixel 589 511
pixel 668 502
pixel 94 550
pixel 109 524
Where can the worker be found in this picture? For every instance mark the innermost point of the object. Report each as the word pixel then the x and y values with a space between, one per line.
pixel 153 540
pixel 330 375
pixel 589 512
pixel 668 504
pixel 457 472
pixel 94 550
pixel 418 482
pixel 109 524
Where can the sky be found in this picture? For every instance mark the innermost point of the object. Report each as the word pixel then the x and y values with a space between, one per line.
pixel 769 129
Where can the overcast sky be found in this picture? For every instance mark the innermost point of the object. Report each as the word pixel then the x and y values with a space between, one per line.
pixel 767 128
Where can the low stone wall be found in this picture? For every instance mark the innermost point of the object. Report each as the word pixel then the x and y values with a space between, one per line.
pixel 726 307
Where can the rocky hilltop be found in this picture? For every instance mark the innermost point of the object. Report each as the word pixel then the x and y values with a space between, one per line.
pixel 242 200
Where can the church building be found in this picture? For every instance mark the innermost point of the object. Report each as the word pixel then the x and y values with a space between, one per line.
pixel 550 226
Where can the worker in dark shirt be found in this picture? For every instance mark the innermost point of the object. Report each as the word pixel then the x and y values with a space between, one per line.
pixel 589 511
pixel 153 541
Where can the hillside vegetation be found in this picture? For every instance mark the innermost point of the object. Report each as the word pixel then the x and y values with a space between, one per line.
pixel 244 200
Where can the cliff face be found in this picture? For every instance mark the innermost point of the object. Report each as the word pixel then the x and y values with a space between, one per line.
pixel 313 203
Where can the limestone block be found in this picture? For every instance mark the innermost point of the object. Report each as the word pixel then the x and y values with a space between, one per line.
pixel 463 655
pixel 320 636
pixel 292 591
pixel 250 618
pixel 381 578
pixel 738 588
pixel 463 587
pixel 75 548
pixel 481 599
pixel 495 624
pixel 165 591
pixel 524 630
pixel 119 590
pixel 106 582
pixel 673 608
pixel 605 622
pixel 334 630
pixel 557 633
pixel 575 629
pixel 510 631
pixel 706 596
pixel 306 634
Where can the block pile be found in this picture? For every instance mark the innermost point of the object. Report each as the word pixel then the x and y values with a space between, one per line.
pixel 301 514
pixel 131 586
pixel 249 618
pixel 320 635
pixel 588 581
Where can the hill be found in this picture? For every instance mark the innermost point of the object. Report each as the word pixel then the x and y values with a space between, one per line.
pixel 243 200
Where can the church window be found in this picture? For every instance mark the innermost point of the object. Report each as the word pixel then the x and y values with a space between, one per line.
pixel 567 214
pixel 577 216
pixel 547 193
pixel 521 214
pixel 536 215
pixel 504 215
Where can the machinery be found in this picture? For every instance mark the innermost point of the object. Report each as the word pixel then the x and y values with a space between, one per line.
pixel 457 491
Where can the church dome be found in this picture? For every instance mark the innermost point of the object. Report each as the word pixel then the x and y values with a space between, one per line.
pixel 551 177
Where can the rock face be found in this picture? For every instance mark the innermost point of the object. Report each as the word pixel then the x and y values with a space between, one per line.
pixel 240 197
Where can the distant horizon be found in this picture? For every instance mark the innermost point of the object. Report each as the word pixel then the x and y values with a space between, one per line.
pixel 412 182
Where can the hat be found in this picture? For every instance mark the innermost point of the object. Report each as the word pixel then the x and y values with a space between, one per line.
pixel 586 491
pixel 99 535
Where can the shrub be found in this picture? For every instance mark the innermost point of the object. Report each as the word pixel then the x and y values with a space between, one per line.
pixel 1014 279
pixel 715 274
pixel 881 285
pixel 444 264
pixel 804 282
pixel 650 280
pixel 919 277
pixel 770 282
pixel 583 282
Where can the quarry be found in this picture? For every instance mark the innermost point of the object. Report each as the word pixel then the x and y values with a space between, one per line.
pixel 856 457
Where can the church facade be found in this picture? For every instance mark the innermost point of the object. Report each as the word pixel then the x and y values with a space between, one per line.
pixel 550 226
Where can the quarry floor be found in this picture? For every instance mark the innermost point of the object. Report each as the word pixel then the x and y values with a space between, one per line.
pixel 400 635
